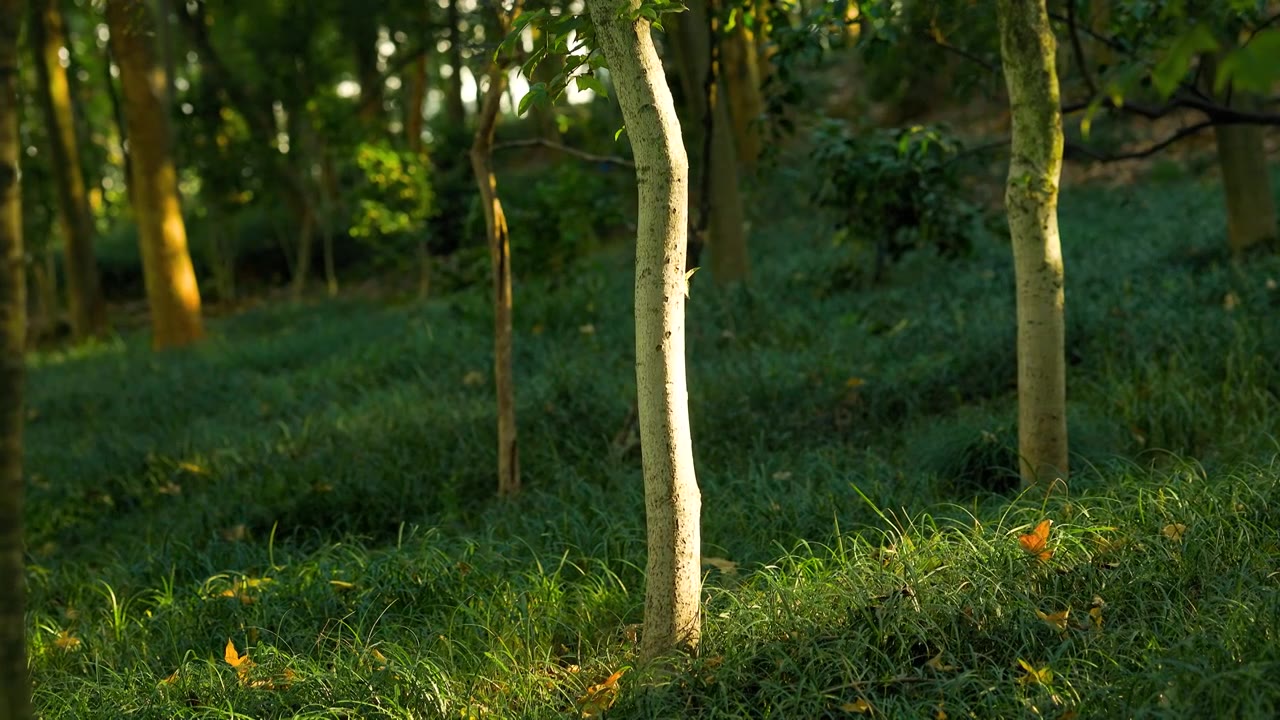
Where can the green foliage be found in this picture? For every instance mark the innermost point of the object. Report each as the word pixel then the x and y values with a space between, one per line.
pixel 393 202
pixel 895 190
pixel 569 211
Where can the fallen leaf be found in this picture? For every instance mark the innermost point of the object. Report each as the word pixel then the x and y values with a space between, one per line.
pixel 1230 301
pixel 600 697
pixel 235 533
pixel 1058 619
pixel 587 329
pixel 1174 531
pixel 728 567
pixel 342 585
pixel 66 641
pixel 860 706
pixel 240 663
pixel 171 679
pixel 192 468
pixel 1036 542
pixel 935 663
pixel 782 475
pixel 1032 676
pixel 538 329
pixel 940 714
pixel 475 377
pixel 854 382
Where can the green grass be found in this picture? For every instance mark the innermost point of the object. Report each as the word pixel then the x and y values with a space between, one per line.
pixel 338 449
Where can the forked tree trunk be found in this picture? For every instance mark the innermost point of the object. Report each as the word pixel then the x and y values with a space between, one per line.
pixel 1031 197
pixel 15 688
pixel 726 231
pixel 85 304
pixel 500 258
pixel 673 505
pixel 172 292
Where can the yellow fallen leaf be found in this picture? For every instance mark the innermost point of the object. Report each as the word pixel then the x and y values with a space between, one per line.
pixel 728 567
pixel 936 663
pixel 1033 676
pixel 860 706
pixel 854 382
pixel 940 714
pixel 342 585
pixel 1174 531
pixel 192 468
pixel 587 329
pixel 1058 619
pixel 66 641
pixel 171 679
pixel 600 697
pixel 475 377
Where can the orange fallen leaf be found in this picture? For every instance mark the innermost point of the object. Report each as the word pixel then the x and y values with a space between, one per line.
pixel 600 697
pixel 1036 542
pixel 66 641
pixel 1058 619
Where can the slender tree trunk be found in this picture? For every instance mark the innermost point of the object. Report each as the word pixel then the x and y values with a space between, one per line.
pixel 172 292
pixel 455 110
pixel 1031 196
pixel 1246 182
pixel 15 688
pixel 500 256
pixel 88 311
pixel 413 110
pixel 726 231
pixel 673 505
pixel 742 86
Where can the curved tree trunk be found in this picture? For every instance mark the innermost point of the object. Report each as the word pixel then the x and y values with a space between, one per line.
pixel 172 292
pixel 1031 197
pixel 15 688
pixel 87 309
pixel 673 505
pixel 500 256
pixel 726 229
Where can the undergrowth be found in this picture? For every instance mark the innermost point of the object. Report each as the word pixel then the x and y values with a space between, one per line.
pixel 314 485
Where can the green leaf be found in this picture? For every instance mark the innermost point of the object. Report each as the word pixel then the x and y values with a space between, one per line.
pixel 619 133
pixel 592 83
pixel 1254 67
pixel 537 93
pixel 1173 67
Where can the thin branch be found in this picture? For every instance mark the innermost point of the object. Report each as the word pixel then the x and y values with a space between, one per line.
pixel 580 154
pixel 1078 49
pixel 1180 135
pixel 966 54
pixel 1097 36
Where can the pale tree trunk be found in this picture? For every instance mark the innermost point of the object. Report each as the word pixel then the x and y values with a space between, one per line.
pixel 673 505
pixel 1031 197
pixel 726 231
pixel 172 292
pixel 15 688
pixel 85 304
pixel 500 258
pixel 1246 182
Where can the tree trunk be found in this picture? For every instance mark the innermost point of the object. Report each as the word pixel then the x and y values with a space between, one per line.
pixel 726 231
pixel 172 292
pixel 672 500
pixel 413 110
pixel 15 687
pixel 742 86
pixel 1246 182
pixel 500 256
pixel 167 49
pixel 87 309
pixel 454 108
pixel 1031 197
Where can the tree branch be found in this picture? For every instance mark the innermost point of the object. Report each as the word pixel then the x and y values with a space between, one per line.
pixel 580 154
pixel 1077 49
pixel 1180 135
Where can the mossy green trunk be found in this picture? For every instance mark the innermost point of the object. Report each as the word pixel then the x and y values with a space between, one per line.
pixel 15 692
pixel 1031 198
pixel 673 504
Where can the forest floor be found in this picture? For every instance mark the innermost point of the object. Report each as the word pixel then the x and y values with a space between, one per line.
pixel 296 519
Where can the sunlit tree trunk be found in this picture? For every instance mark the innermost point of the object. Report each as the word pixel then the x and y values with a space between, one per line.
pixel 742 87
pixel 726 231
pixel 88 311
pixel 500 258
pixel 15 689
pixel 454 108
pixel 1031 197
pixel 172 292
pixel 673 504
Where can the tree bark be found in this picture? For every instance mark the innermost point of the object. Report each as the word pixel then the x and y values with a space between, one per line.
pixel 726 231
pixel 742 86
pixel 172 292
pixel 15 687
pixel 455 110
pixel 1246 182
pixel 413 110
pixel 87 309
pixel 1031 197
pixel 500 257
pixel 673 504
